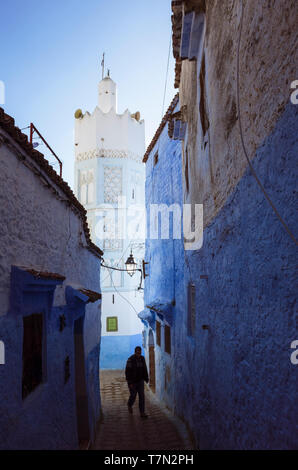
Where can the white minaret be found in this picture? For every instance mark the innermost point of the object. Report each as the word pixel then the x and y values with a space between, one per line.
pixel 107 95
pixel 109 148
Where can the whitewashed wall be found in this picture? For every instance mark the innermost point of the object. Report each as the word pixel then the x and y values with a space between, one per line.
pixel 120 132
pixel 128 322
pixel 40 230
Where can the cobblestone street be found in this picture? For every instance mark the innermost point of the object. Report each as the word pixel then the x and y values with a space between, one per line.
pixel 120 430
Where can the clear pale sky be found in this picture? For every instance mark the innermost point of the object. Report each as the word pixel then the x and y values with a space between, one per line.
pixel 50 54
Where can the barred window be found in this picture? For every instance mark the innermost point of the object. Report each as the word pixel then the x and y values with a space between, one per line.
pixel 32 353
pixel 191 311
pixel 167 339
pixel 158 342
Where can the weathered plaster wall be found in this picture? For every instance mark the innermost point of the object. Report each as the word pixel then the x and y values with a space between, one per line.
pixel 233 383
pixel 39 230
pixel 244 392
pixel 232 380
pixel 268 58
pixel 237 375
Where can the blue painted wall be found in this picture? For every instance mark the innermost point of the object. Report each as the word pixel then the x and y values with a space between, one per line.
pixel 165 282
pixel 115 350
pixel 234 382
pixel 163 186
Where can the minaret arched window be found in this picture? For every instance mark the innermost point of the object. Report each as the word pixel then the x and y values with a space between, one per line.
pixel 87 186
pixel 83 187
pixel 90 187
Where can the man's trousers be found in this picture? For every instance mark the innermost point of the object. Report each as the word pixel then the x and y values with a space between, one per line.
pixel 137 388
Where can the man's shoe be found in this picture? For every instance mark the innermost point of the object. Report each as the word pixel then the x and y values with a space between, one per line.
pixel 129 409
pixel 143 415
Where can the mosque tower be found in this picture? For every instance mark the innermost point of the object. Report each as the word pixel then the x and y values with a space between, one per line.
pixel 109 148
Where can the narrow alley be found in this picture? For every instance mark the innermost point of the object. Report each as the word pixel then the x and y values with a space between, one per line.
pixel 148 235
pixel 122 431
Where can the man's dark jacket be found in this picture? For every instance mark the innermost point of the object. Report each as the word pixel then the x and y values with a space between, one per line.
pixel 136 369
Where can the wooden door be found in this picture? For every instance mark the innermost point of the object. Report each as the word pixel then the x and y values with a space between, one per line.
pixel 80 385
pixel 152 368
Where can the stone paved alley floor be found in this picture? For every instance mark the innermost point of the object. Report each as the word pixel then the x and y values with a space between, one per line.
pixel 120 430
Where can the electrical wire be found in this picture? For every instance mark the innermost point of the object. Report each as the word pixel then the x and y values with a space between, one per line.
pixel 166 81
pixel 121 294
pixel 117 264
pixel 242 138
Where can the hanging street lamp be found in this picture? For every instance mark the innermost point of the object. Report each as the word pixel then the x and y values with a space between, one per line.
pixel 131 265
pixel 130 268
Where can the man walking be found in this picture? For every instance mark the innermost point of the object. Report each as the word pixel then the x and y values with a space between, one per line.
pixel 136 373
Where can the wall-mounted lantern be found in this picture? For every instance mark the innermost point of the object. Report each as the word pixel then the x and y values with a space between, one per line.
pixel 144 269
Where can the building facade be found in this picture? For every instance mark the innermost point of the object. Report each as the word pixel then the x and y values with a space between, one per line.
pixel 50 305
pixel 109 182
pixel 224 365
pixel 165 256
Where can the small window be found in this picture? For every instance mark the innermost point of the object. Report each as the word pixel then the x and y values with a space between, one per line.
pixel 156 158
pixel 191 314
pixel 167 339
pixel 203 102
pixel 144 336
pixel 158 333
pixel 32 353
pixel 186 171
pixel 133 194
pixel 112 323
pixel 66 369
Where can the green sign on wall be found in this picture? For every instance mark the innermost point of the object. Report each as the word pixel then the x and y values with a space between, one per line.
pixel 112 324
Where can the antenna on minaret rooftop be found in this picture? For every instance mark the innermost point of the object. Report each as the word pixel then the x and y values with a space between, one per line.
pixel 107 90
pixel 103 65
